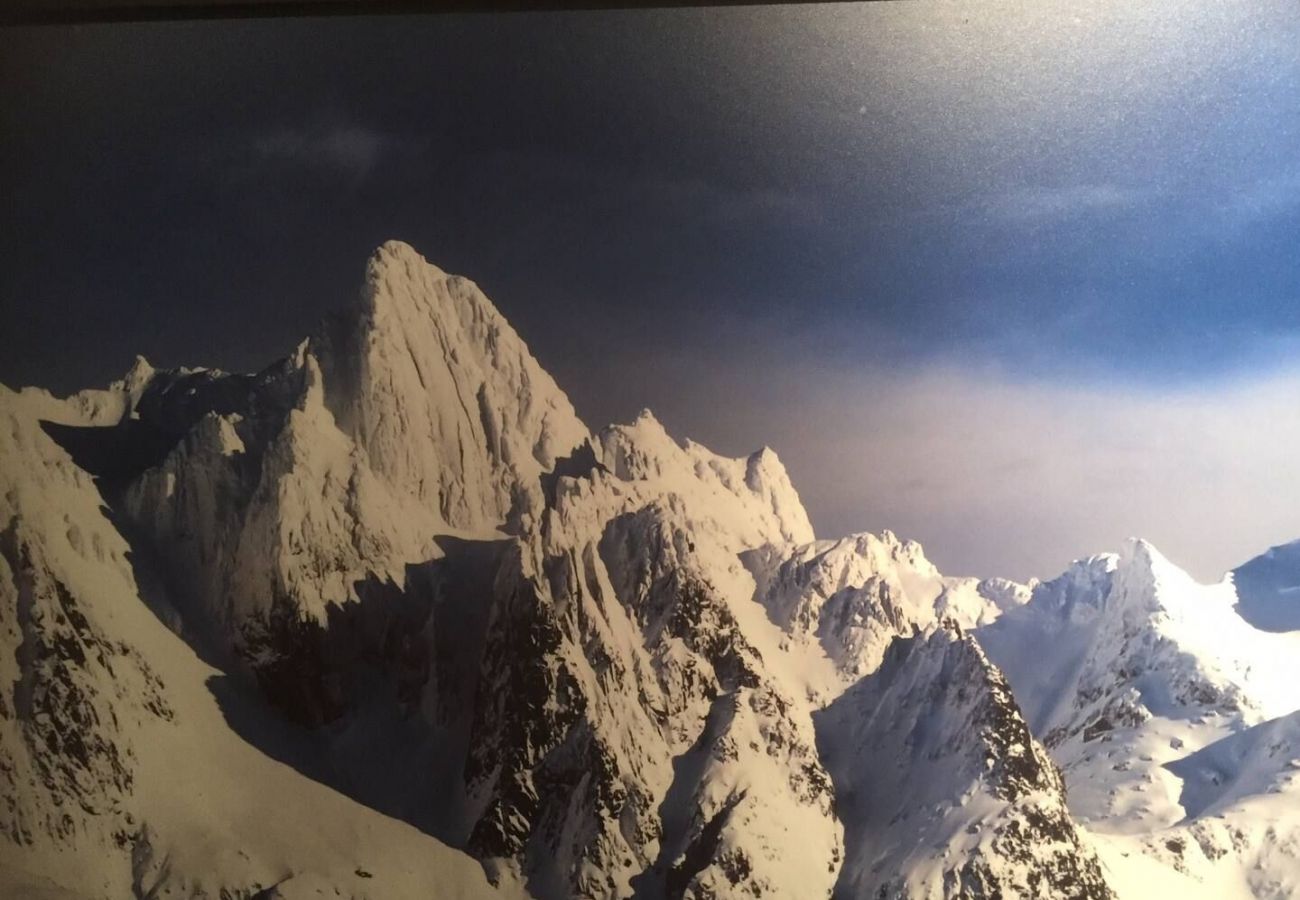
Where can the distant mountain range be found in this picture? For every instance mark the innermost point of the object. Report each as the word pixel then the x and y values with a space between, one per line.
pixel 388 620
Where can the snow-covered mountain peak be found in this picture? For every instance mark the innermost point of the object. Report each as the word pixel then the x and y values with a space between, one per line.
pixel 638 449
pixel 1141 567
pixel 137 376
pixel 1137 576
pixel 392 269
pixel 394 252
pixel 767 477
pixel 1130 629
pixel 1146 667
pixel 1144 590
pixel 751 497
pixel 441 393
pixel 218 434
pixel 647 416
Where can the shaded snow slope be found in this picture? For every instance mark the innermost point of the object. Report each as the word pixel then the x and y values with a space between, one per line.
pixel 1268 589
pixel 943 791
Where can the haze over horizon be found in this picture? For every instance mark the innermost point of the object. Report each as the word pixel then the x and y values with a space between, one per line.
pixel 1015 282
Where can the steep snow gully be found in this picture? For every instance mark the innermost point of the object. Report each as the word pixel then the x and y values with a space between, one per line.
pixel 387 619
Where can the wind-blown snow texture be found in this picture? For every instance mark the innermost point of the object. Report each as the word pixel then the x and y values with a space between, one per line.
pixel 387 619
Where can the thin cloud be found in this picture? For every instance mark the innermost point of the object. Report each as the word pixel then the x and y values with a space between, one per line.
pixel 1040 203
pixel 1263 199
pixel 351 151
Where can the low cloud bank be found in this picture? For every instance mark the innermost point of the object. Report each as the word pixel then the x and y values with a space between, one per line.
pixel 998 475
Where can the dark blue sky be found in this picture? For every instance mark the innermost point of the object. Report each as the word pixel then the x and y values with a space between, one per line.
pixel 1084 193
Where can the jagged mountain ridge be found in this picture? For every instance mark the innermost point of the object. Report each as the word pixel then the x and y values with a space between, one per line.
pixel 601 664
pixel 943 789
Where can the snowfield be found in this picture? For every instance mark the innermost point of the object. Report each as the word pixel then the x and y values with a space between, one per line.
pixel 386 619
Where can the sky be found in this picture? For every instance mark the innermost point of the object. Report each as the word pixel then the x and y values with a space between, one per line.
pixel 1016 280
